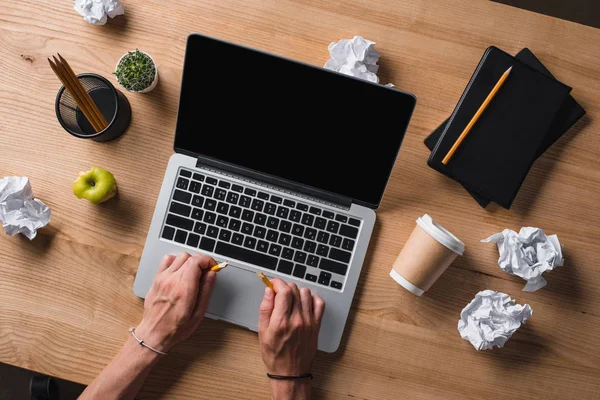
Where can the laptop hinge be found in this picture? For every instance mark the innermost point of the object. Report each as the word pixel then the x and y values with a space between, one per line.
pixel 276 183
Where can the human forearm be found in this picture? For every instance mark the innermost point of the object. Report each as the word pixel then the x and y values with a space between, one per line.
pixel 290 390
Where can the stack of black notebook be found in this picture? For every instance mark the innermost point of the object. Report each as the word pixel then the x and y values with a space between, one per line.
pixel 527 115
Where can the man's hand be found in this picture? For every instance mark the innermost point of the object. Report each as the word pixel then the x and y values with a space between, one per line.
pixel 177 301
pixel 288 331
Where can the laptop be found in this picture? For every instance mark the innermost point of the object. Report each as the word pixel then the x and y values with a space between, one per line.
pixel 278 167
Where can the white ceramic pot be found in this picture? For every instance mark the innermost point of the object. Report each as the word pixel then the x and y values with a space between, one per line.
pixel 154 82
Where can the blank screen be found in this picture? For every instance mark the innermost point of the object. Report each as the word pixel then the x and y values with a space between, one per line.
pixel 290 120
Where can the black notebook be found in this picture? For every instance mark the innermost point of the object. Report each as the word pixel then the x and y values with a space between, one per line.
pixel 496 156
pixel 569 113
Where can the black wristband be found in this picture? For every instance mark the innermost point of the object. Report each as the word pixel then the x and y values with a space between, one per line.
pixel 290 377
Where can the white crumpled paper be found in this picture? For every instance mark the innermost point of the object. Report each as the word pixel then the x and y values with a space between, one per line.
pixel 528 254
pixel 19 211
pixel 96 11
pixel 355 57
pixel 491 318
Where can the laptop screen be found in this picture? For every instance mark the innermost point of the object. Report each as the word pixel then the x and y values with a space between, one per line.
pixel 290 120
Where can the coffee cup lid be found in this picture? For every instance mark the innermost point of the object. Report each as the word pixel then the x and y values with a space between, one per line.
pixel 440 234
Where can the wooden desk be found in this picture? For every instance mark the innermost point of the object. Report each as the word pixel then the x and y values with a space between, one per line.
pixel 66 299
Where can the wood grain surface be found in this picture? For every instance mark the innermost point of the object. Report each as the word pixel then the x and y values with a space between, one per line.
pixel 66 298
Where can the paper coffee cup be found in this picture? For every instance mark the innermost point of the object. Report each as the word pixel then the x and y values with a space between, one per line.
pixel 429 250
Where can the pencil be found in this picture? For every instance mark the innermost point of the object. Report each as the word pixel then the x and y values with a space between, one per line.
pixel 220 266
pixel 265 280
pixel 483 106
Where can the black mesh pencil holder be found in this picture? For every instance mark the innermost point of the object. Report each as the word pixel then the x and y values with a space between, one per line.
pixel 113 105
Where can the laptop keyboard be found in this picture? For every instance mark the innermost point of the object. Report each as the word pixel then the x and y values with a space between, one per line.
pixel 269 231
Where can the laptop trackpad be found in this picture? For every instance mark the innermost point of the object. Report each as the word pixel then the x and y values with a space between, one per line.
pixel 236 297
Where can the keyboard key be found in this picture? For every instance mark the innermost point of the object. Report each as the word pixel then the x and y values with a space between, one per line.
pixel 270 208
pixel 297 243
pixel 311 277
pixel 335 240
pixel 300 257
pixel 180 209
pixel 285 226
pixel 200 228
pixel 249 256
pixel 260 219
pixel 323 237
pixel 182 183
pixel 340 255
pixel 224 184
pixel 212 231
pixel 262 246
pixel 285 267
pixel 275 249
pixel 193 240
pixel 185 172
pixel 322 250
pixel 349 231
pixel 212 181
pixel 210 204
pixel 199 177
pixel 324 278
pixel 208 190
pixel 235 224
pixel 247 228
pixel 282 212
pixel 341 218
pixel 220 194
pixel 207 244
pixel 180 236
pixel 328 214
pixel 287 253
pixel 233 197
pixel 260 232
pixel 222 208
pixel 180 222
pixel 225 235
pixel 245 201
pixel 182 196
pixel 310 233
pixel 310 246
pixel 308 219
pixel 235 212
pixel 289 203
pixel 320 223
pixel 249 242
pixel 285 239
pixel 272 235
pixel 313 261
pixel 348 244
pixel 333 266
pixel 209 217
pixel 336 285
pixel 237 188
pixel 195 186
pixel 257 205
pixel 198 201
pixel 197 214
pixel 276 199
pixel 222 221
pixel 237 239
pixel 302 207
pixel 315 210
pixel 168 233
pixel 248 215
pixel 263 195
pixel 272 222
pixel 298 230
pixel 333 227
pixel 299 271
pixel 295 215
pixel 250 192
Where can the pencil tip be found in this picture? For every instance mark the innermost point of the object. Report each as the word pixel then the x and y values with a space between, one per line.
pixel 260 274
pixel 508 70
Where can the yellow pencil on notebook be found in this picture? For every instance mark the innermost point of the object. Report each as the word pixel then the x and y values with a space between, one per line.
pixel 220 266
pixel 483 106
pixel 265 280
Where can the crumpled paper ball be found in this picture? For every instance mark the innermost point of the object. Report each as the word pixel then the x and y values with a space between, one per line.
pixel 528 254
pixel 96 11
pixel 491 318
pixel 19 211
pixel 355 57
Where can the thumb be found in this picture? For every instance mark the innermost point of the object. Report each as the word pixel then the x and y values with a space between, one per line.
pixel 266 309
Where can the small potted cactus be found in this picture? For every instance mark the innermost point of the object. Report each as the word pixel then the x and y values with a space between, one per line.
pixel 137 72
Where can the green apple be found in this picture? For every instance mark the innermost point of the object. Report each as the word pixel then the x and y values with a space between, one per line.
pixel 97 185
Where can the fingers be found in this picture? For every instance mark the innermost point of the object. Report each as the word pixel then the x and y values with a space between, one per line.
pixel 266 310
pixel 178 262
pixel 206 285
pixel 191 271
pixel 297 304
pixel 307 304
pixel 283 301
pixel 166 261
pixel 318 308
